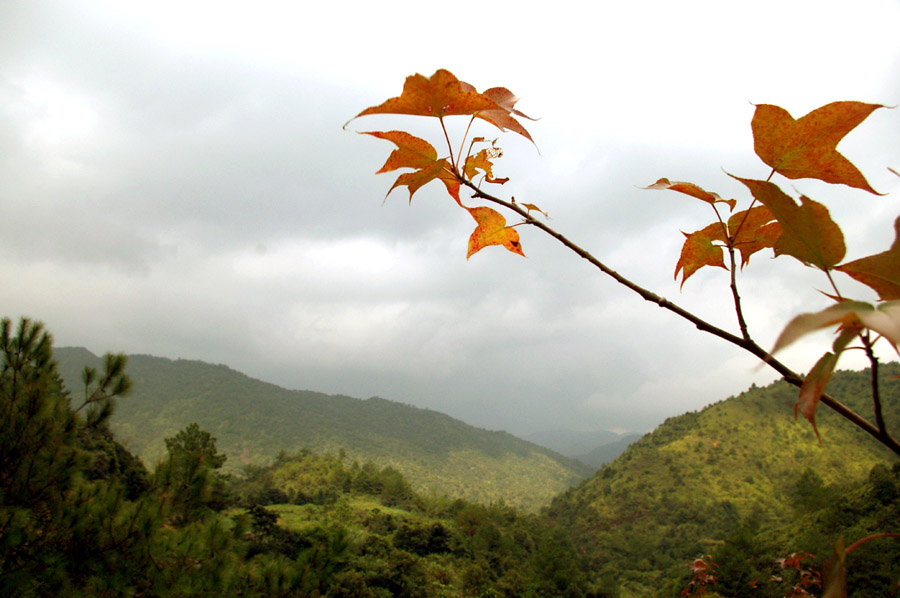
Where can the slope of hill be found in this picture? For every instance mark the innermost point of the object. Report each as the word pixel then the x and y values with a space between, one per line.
pixel 253 421
pixel 700 476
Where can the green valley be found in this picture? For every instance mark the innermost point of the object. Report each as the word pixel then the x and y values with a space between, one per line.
pixel 254 421
pixel 739 486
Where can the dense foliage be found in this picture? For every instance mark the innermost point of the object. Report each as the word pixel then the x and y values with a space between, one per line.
pixel 80 516
pixel 730 501
pixel 436 453
pixel 394 542
pixel 740 480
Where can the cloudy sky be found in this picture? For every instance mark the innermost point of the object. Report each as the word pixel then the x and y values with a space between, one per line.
pixel 174 180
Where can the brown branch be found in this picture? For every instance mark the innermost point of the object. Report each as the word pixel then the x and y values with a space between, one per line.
pixel 793 378
pixel 738 308
pixel 862 541
pixel 876 394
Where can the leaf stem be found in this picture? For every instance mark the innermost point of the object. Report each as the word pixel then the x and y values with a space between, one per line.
pixel 462 143
pixel 833 285
pixel 449 145
pixel 729 243
pixel 738 308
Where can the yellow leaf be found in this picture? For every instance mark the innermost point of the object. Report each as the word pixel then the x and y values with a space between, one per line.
pixel 492 230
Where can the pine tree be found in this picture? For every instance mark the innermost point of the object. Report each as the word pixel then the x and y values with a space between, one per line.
pixel 189 474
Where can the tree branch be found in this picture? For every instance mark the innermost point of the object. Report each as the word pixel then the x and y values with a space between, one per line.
pixel 745 343
pixel 876 394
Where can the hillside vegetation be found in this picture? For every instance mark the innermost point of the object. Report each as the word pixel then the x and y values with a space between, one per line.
pixel 81 517
pixel 686 487
pixel 255 421
pixel 739 484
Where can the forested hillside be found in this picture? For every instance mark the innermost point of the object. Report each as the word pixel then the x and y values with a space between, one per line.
pixel 740 464
pixel 80 516
pixel 740 485
pixel 255 421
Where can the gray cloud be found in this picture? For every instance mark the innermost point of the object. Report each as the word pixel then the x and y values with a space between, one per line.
pixel 179 184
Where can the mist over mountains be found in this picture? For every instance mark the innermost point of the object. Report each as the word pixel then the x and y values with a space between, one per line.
pixel 595 448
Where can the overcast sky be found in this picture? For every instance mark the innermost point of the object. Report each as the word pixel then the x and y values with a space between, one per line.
pixel 174 180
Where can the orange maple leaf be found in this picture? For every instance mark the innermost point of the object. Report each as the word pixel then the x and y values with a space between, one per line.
pixel 503 118
pixel 817 379
pixel 443 94
pixel 753 230
pixel 834 572
pixel 492 230
pixel 692 190
pixel 440 95
pixel 812 389
pixel 699 250
pixel 880 271
pixel 414 152
pixel 852 317
pixel 807 147
pixel 808 232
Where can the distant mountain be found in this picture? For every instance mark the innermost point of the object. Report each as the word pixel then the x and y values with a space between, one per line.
pixel 683 488
pixel 609 452
pixel 572 442
pixel 595 448
pixel 253 421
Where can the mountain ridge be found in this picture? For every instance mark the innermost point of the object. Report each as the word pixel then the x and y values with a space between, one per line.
pixel 254 421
